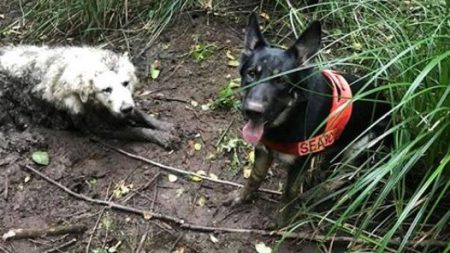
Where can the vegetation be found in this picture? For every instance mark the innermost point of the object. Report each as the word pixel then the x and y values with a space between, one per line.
pixel 392 203
pixel 399 200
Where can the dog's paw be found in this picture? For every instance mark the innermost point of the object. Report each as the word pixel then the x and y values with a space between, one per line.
pixel 236 198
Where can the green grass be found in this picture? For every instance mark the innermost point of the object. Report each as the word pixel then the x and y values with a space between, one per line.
pixel 94 21
pixel 401 200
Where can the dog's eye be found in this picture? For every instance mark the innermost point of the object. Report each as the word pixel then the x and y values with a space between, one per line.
pixel 107 90
pixel 125 84
pixel 251 74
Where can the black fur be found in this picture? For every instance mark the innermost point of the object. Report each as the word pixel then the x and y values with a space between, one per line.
pixel 304 96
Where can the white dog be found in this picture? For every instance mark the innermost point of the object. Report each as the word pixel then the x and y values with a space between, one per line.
pixel 70 77
pixel 81 82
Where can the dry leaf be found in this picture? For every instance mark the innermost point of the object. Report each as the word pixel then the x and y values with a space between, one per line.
pixel 197 146
pixel 233 63
pixel 230 56
pixel 196 179
pixel 172 178
pixel 194 103
pixel 213 176
pixel 147 215
pixel 201 201
pixel 247 172
pixel 262 248
pixel 264 15
pixel 213 238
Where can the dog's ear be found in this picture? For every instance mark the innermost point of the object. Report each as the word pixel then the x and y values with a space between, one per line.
pixel 253 36
pixel 308 44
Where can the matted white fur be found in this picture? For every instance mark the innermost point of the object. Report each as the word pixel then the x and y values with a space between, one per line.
pixel 71 77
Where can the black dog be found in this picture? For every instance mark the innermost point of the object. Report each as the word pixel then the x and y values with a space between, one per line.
pixel 286 113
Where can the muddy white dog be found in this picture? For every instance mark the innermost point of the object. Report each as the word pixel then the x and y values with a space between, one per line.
pixel 77 79
pixel 70 77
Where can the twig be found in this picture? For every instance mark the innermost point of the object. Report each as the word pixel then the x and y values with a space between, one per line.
pixel 182 224
pixel 145 213
pixel 176 242
pixel 97 222
pixel 62 246
pixel 170 99
pixel 6 189
pixel 224 133
pixel 141 242
pixel 172 73
pixel 145 186
pixel 180 171
pixel 16 234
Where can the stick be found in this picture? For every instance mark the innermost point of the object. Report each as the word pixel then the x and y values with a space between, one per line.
pixel 145 213
pixel 145 186
pixel 141 242
pixel 16 234
pixel 97 222
pixel 180 171
pixel 224 133
pixel 5 192
pixel 182 224
pixel 62 246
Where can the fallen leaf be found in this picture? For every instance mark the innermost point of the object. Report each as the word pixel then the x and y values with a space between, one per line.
pixel 230 56
pixel 179 192
pixel 201 201
pixel 179 250
pixel 194 103
pixel 251 157
pixel 172 178
pixel 40 157
pixel 213 238
pixel 197 146
pixel 213 176
pixel 357 46
pixel 196 179
pixel 247 172
pixel 147 215
pixel 201 172
pixel 155 69
pixel 264 15
pixel 262 248
pixel 233 63
pixel 206 107
pixel 235 83
pixel 113 249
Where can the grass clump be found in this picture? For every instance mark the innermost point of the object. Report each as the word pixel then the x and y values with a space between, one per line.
pixel 53 20
pixel 400 201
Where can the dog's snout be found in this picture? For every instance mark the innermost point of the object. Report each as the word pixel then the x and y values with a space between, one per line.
pixel 253 109
pixel 253 106
pixel 126 108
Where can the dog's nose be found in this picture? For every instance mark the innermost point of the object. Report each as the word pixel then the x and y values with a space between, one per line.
pixel 125 109
pixel 254 106
pixel 253 109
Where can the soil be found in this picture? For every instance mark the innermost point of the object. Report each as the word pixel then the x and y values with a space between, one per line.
pixel 89 168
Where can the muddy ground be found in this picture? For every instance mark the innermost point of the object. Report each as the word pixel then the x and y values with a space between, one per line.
pixel 91 169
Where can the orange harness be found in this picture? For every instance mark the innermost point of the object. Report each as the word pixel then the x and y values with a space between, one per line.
pixel 340 114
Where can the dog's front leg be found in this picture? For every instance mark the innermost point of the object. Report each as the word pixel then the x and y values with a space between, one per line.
pixel 161 138
pixel 263 160
pixel 141 117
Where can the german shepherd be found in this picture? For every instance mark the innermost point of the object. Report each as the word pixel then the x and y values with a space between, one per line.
pixel 289 103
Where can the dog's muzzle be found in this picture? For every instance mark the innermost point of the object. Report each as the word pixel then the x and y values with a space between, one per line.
pixel 126 108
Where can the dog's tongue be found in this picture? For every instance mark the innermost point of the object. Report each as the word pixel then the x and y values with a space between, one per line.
pixel 253 132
